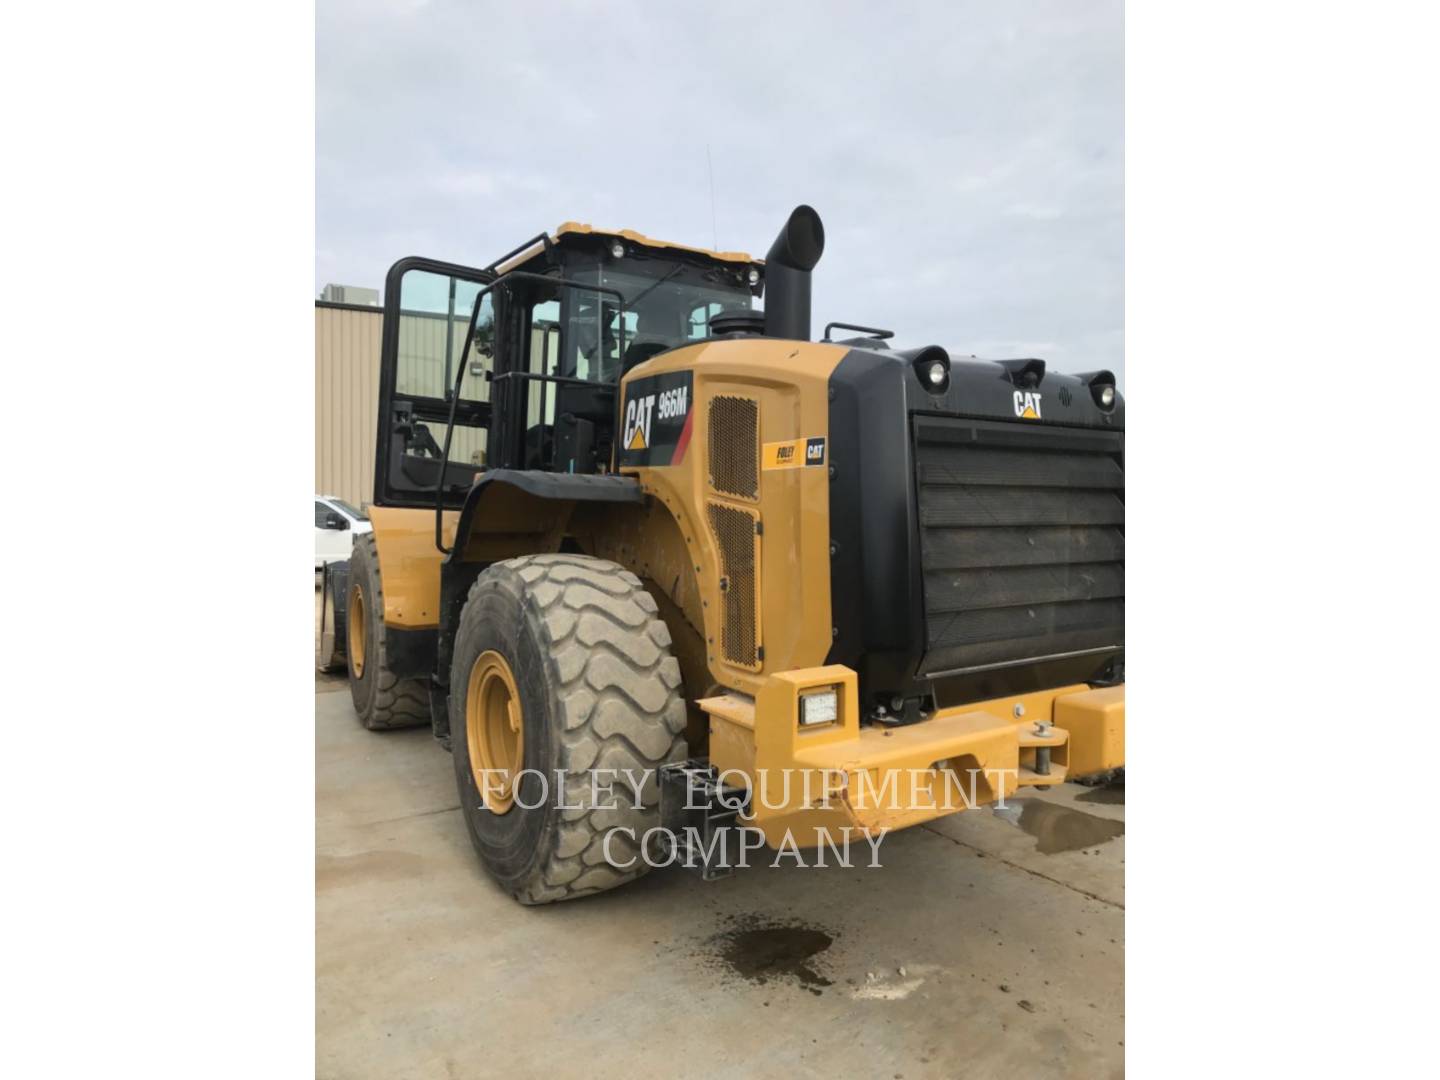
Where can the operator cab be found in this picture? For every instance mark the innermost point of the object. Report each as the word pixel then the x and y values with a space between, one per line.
pixel 537 343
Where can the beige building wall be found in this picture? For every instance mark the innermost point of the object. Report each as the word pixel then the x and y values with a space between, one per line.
pixel 347 395
pixel 347 392
pixel 420 369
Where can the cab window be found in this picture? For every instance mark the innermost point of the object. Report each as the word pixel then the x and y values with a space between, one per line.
pixel 426 352
pixel 435 316
pixel 435 313
pixel 669 304
pixel 544 359
pixel 698 324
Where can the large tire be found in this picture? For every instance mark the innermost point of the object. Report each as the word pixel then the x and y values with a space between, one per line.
pixel 589 659
pixel 382 699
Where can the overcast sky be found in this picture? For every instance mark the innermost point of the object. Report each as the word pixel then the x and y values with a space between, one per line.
pixel 967 158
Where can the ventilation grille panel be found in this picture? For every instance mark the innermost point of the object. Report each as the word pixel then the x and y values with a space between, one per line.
pixel 735 446
pixel 1022 541
pixel 735 536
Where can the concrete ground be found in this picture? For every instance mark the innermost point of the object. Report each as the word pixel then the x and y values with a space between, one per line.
pixel 985 945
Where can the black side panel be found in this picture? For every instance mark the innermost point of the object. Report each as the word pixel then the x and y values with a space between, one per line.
pixel 563 487
pixel 1022 542
pixel 875 589
pixel 410 654
pixel 455 581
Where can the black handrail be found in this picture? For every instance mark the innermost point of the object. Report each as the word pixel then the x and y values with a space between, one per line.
pixel 870 330
pixel 566 380
pixel 506 278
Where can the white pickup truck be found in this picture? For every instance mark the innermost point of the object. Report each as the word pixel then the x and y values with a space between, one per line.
pixel 336 523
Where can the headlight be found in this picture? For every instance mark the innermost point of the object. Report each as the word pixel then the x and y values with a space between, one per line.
pixel 617 250
pixel 1102 388
pixel 931 365
pixel 820 707
pixel 753 277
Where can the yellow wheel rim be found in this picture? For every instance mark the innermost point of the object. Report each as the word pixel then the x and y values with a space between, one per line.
pixel 494 731
pixel 355 631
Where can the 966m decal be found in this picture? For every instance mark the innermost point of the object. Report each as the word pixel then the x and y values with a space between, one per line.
pixel 656 419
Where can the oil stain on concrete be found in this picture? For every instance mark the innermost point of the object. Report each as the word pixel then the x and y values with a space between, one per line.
pixel 763 952
pixel 1059 828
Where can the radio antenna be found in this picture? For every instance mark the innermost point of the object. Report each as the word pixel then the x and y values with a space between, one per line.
pixel 714 231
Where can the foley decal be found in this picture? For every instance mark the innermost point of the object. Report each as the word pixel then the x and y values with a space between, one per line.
pixel 794 453
pixel 656 420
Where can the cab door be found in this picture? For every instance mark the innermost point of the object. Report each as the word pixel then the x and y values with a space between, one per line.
pixel 435 338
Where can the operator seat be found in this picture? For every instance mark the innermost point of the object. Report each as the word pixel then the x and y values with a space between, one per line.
pixel 650 337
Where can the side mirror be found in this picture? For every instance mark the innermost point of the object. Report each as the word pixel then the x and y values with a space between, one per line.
pixel 336 521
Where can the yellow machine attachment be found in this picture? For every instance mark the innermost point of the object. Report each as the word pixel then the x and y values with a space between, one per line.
pixel 808 775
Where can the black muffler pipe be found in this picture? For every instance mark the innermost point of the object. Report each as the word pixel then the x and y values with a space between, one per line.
pixel 787 275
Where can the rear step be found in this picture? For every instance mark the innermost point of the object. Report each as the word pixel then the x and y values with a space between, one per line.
pixel 699 815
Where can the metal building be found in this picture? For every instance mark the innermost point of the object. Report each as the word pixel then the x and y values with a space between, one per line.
pixel 347 385
pixel 347 395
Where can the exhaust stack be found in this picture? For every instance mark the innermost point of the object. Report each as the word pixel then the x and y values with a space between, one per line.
pixel 787 275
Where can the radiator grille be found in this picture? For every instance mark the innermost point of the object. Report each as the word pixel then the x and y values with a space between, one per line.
pixel 1022 541
pixel 734 529
pixel 735 446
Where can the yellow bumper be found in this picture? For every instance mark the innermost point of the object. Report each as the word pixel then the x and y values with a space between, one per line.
pixel 815 781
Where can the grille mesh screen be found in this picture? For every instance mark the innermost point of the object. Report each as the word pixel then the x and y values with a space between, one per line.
pixel 1022 541
pixel 734 446
pixel 734 530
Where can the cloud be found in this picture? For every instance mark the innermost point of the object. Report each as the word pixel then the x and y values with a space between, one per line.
pixel 967 158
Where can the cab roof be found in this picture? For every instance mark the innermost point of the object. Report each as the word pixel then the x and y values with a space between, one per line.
pixel 580 228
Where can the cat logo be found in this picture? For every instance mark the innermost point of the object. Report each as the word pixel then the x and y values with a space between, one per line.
pixel 655 428
pixel 638 412
pixel 793 453
pixel 655 419
pixel 1027 405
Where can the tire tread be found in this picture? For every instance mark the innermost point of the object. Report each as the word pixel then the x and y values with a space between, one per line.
pixel 398 703
pixel 617 694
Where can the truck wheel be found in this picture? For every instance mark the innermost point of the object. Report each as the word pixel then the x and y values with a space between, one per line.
pixel 382 700
pixel 562 674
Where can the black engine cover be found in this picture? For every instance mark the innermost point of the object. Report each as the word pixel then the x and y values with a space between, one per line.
pixel 978 534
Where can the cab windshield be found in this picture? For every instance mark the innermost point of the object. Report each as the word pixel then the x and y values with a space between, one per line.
pixel 668 305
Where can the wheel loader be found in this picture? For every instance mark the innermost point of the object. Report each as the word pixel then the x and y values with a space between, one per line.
pixel 628 526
